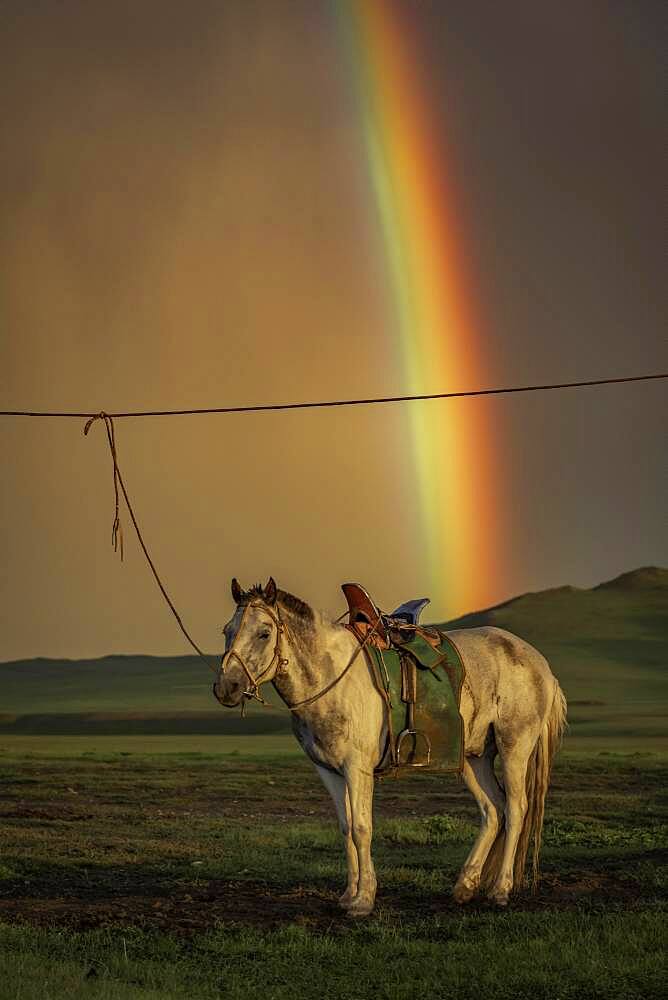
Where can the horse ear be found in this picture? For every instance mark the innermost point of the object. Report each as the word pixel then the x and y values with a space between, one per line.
pixel 237 592
pixel 270 591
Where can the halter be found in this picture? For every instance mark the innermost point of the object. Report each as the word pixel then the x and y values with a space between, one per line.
pixel 253 691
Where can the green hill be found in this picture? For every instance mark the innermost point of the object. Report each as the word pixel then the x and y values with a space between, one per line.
pixel 609 643
pixel 109 684
pixel 153 695
pixel 608 646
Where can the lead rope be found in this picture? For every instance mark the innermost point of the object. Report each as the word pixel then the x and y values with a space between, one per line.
pixel 117 542
pixel 117 529
pixel 309 701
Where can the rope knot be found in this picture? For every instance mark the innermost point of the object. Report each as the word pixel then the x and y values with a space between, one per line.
pixel 96 416
pixel 117 527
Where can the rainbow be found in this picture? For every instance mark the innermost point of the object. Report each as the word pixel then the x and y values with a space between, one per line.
pixel 430 304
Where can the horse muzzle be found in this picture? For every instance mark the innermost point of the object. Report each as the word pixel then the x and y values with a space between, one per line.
pixel 229 694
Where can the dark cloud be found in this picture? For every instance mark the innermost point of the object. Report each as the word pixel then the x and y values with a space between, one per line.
pixel 186 221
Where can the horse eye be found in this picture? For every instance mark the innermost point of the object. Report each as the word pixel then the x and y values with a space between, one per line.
pixel 264 635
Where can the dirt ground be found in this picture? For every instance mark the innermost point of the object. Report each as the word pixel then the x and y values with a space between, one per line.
pixel 99 844
pixel 254 904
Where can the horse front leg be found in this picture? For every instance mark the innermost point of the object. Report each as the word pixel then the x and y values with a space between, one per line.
pixel 336 786
pixel 359 783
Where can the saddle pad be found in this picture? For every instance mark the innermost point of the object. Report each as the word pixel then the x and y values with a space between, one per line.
pixel 437 706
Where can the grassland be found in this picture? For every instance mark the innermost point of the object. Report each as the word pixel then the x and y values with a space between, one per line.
pixel 179 852
pixel 210 874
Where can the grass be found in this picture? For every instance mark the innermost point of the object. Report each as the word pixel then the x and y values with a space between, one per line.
pixel 115 747
pixel 201 874
pixel 537 955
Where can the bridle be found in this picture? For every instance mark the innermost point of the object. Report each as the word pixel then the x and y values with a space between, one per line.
pixel 253 690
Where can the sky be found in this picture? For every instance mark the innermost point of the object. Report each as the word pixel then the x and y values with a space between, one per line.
pixel 188 221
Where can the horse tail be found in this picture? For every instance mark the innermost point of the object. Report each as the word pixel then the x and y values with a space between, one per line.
pixel 537 781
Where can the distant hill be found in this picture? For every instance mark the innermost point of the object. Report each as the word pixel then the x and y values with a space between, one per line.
pixel 607 645
pixel 108 684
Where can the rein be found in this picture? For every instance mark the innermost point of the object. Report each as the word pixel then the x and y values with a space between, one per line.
pixel 253 691
pixel 314 697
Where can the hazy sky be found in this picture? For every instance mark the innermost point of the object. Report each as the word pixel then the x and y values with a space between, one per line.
pixel 185 223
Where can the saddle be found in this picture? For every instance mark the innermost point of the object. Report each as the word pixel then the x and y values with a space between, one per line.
pixel 365 617
pixel 397 640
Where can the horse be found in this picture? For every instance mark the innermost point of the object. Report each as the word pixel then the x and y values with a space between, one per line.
pixel 511 706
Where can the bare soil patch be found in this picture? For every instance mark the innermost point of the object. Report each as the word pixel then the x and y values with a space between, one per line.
pixel 255 905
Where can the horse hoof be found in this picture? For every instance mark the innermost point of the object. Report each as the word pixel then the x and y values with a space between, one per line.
pixel 463 894
pixel 360 909
pixel 500 899
pixel 345 901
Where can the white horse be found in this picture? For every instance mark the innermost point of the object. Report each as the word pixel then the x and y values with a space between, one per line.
pixel 511 705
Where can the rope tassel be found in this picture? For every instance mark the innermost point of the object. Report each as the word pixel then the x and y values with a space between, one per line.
pixel 117 536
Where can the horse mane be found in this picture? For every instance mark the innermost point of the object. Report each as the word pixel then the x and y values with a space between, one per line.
pixel 300 609
pixel 302 620
pixel 296 606
pixel 249 595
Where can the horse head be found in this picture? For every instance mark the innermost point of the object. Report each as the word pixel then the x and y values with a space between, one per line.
pixel 253 637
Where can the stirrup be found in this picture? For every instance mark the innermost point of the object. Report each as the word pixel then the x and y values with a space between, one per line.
pixel 414 736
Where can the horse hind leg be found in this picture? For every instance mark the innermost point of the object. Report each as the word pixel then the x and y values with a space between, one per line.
pixel 478 773
pixel 506 861
pixel 526 769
